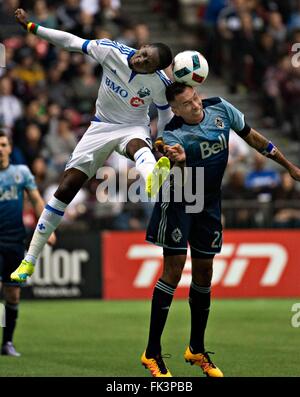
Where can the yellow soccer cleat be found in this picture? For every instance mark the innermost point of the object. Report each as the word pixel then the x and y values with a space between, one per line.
pixel 156 366
pixel 22 272
pixel 204 362
pixel 157 177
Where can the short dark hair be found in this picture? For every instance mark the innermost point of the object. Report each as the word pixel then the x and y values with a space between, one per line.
pixel 4 135
pixel 164 54
pixel 175 89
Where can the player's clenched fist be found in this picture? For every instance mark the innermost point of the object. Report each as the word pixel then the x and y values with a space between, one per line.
pixel 21 17
pixel 175 153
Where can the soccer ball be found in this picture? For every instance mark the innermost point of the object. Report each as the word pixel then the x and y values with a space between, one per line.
pixel 190 67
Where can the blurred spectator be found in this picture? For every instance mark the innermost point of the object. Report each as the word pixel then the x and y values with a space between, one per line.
pixel 284 7
pixel 142 35
pixel 134 215
pixel 10 106
pixel 276 28
pixel 234 190
pixel 103 33
pixel 286 192
pixel 93 6
pixel 39 48
pixel 59 145
pixel 43 175
pixel 110 16
pixel 34 113
pixel 85 27
pixel 266 53
pixel 168 9
pixel 8 24
pixel 127 36
pixel 60 92
pixel 90 6
pixel 260 180
pixel 67 14
pixel 239 25
pixel 239 153
pixel 272 100
pixel 84 89
pixel 105 203
pixel 32 143
pixel 54 112
pixel 212 41
pixel 290 92
pixel 29 72
pixel 294 17
pixel 42 15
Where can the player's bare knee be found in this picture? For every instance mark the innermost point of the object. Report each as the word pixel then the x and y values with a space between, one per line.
pixel 202 271
pixel 70 184
pixel 134 145
pixel 11 294
pixel 173 266
pixel 202 276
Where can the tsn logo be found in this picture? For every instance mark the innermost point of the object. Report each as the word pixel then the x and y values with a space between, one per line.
pixel 229 266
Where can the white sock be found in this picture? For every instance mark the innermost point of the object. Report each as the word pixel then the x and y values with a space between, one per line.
pixel 144 161
pixel 47 223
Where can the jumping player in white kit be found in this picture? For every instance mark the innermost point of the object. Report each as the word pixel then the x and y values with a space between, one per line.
pixel 132 79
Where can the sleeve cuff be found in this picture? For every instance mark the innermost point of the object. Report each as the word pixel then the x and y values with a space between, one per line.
pixel 163 107
pixel 245 131
pixel 85 45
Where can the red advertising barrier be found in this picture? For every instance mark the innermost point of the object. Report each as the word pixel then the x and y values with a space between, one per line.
pixel 256 263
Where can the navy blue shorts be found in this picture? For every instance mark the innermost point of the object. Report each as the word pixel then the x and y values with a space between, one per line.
pixel 10 259
pixel 172 228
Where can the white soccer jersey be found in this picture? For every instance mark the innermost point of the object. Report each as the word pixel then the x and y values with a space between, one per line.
pixel 124 96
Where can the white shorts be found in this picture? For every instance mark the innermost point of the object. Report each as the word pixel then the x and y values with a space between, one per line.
pixel 100 140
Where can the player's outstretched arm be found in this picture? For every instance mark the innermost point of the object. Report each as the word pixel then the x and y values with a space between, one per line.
pixel 62 39
pixel 265 147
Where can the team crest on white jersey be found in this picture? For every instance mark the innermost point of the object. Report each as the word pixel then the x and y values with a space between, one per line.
pixel 136 102
pixel 176 235
pixel 219 122
pixel 143 92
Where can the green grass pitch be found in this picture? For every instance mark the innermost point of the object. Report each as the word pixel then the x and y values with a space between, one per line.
pixel 106 338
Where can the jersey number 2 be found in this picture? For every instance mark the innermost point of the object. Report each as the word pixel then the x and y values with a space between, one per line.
pixel 217 240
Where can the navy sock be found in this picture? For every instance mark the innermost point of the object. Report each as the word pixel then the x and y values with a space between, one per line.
pixel 161 302
pixel 199 300
pixel 11 315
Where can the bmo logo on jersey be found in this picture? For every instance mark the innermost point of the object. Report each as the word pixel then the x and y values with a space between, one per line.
pixel 116 88
pixel 207 148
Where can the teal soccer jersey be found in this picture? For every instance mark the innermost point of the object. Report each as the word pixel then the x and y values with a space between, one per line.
pixel 206 143
pixel 13 181
pixel 206 146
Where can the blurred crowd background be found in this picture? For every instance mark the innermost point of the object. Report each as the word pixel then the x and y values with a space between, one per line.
pixel 47 95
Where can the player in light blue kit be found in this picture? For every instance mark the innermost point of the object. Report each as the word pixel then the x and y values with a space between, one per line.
pixel 197 136
pixel 14 180
pixel 132 79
